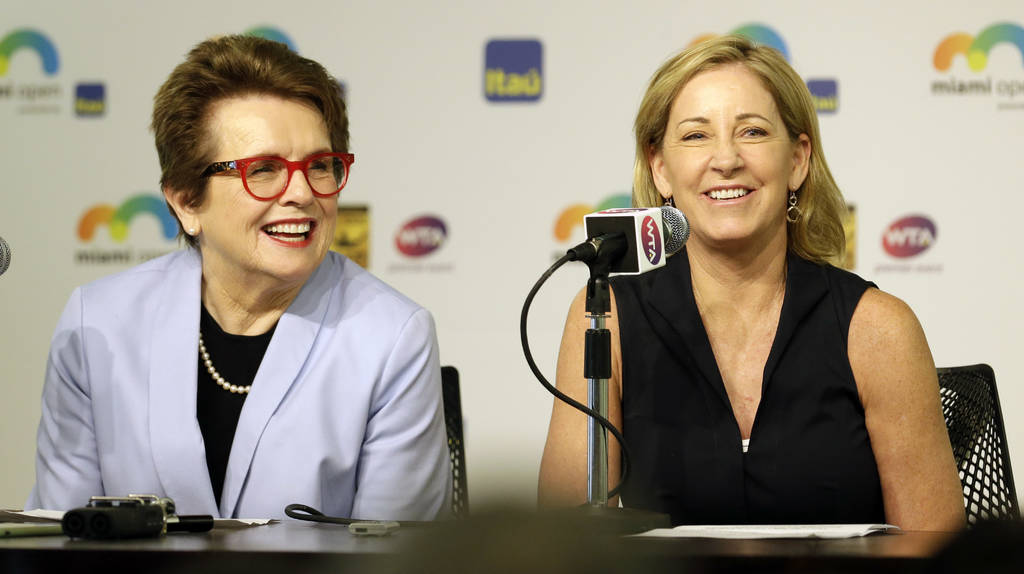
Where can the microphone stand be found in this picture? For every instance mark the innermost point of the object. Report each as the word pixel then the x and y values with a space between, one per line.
pixel 599 252
pixel 597 369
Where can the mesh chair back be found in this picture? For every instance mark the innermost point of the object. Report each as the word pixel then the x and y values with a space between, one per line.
pixel 456 450
pixel 974 420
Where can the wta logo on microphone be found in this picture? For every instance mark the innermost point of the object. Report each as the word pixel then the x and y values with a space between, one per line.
pixel 642 230
pixel 651 235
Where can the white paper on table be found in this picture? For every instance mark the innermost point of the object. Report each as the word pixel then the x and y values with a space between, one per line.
pixel 246 521
pixel 755 531
pixel 40 513
pixel 59 514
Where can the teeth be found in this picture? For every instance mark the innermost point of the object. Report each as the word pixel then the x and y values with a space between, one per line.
pixel 288 228
pixel 728 193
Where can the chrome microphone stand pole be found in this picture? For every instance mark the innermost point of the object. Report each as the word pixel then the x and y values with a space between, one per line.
pixel 597 367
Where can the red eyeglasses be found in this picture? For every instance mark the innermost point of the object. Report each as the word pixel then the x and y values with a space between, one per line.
pixel 267 177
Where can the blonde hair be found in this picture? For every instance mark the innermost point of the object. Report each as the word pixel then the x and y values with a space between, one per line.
pixel 818 233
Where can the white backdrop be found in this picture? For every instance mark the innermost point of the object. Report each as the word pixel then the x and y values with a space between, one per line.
pixel 498 175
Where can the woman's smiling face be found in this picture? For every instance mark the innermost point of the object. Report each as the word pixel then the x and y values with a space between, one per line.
pixel 727 158
pixel 244 238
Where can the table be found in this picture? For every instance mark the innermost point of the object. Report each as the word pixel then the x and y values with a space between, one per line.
pixel 515 543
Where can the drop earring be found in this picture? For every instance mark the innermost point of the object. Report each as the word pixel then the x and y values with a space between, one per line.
pixel 793 212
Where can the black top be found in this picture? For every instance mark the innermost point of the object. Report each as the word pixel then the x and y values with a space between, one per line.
pixel 810 458
pixel 236 358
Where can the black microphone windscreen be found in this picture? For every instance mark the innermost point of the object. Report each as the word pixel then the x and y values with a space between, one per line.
pixel 5 256
pixel 677 228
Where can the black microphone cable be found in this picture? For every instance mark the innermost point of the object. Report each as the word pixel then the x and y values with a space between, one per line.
pixel 607 424
pixel 310 514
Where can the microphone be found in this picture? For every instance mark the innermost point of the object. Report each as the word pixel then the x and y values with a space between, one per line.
pixel 5 256
pixel 632 240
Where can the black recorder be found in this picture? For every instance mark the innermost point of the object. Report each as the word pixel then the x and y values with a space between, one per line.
pixel 132 516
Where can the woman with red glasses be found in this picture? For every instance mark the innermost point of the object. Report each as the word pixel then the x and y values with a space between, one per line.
pixel 255 368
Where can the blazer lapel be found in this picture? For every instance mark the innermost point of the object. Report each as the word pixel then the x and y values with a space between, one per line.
pixel 178 450
pixel 284 360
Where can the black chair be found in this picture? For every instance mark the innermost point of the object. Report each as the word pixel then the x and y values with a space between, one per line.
pixel 456 448
pixel 974 419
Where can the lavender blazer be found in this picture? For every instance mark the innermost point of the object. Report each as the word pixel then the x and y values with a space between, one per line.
pixel 345 413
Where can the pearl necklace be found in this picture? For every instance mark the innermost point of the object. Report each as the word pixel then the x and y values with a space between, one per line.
pixel 242 390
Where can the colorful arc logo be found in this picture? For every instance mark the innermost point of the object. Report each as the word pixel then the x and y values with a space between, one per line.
pixel 269 33
pixel 118 219
pixel 758 33
pixel 32 39
pixel 977 48
pixel 573 215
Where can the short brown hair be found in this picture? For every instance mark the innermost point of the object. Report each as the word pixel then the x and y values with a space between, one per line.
pixel 818 234
pixel 226 67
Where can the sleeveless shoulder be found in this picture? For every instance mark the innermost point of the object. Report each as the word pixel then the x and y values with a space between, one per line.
pixel 847 289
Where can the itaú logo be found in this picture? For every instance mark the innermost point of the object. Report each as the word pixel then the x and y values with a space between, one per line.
pixel 651 237
pixel 909 236
pixel 421 235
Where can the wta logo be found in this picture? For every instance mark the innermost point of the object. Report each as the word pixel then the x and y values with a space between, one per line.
pixel 572 216
pixel 118 219
pixel 909 236
pixel 977 48
pixel 32 40
pixel 651 235
pixel 421 236
pixel 273 34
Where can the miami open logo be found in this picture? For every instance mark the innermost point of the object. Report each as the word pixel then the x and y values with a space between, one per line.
pixel 976 52
pixel 758 33
pixel 27 39
pixel 572 216
pixel 273 34
pixel 118 219
pixel 31 96
pixel 976 48
pixel 824 91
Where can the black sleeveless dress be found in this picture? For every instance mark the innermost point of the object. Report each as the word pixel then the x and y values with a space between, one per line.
pixel 810 459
